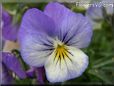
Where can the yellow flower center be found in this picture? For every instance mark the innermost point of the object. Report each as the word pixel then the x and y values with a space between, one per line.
pixel 61 52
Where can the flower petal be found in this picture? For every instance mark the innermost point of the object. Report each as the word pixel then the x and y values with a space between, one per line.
pixel 12 63
pixel 35 20
pixel 6 18
pixel 31 72
pixel 35 43
pixel 95 13
pixel 95 16
pixel 72 28
pixel 9 32
pixel 40 74
pixel 68 66
pixel 35 47
pixel 5 77
pixel 109 6
pixel 110 10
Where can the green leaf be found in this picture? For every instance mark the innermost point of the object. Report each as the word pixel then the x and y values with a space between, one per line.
pixel 103 63
pixel 108 68
pixel 100 74
pixel 25 81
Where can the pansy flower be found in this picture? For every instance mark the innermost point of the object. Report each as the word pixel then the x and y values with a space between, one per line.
pixel 99 11
pixel 53 39
pixel 38 73
pixel 9 64
pixel 9 30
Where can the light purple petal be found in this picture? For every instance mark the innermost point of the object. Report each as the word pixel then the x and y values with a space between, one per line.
pixel 35 43
pixel 5 77
pixel 35 20
pixel 95 13
pixel 10 32
pixel 12 63
pixel 110 6
pixel 31 72
pixel 40 73
pixel 74 29
pixel 6 18
pixel 35 47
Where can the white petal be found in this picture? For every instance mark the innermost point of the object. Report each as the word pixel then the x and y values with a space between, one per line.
pixel 70 67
